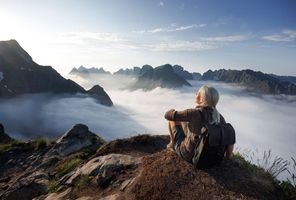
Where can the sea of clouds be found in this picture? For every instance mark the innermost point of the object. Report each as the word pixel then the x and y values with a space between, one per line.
pixel 262 122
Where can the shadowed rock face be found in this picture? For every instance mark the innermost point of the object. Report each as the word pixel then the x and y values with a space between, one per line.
pixel 255 81
pixel 99 93
pixel 19 74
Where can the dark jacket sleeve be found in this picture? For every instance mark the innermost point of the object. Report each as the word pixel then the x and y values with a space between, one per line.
pixel 185 115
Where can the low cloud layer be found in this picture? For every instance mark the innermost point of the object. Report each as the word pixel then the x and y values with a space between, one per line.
pixel 261 122
pixel 50 116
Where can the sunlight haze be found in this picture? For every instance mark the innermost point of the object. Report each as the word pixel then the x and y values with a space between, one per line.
pixel 199 35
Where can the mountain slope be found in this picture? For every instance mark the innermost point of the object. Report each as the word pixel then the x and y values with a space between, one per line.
pixel 255 81
pixel 21 75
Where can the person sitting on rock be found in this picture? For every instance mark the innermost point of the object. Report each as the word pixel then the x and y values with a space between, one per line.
pixel 185 128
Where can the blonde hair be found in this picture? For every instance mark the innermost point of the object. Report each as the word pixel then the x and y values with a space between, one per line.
pixel 210 98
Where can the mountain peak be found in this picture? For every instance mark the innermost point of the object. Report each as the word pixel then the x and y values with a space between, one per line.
pixel 11 53
pixel 99 93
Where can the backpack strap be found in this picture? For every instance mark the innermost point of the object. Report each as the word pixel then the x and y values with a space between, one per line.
pixel 199 146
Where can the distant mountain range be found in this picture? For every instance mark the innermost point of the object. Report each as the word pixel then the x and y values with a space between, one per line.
pixel 147 77
pixel 19 74
pixel 176 76
pixel 252 80
pixel 179 70
pixel 85 71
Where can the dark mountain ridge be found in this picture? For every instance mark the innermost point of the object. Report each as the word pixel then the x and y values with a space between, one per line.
pixel 253 80
pixel 291 79
pixel 21 75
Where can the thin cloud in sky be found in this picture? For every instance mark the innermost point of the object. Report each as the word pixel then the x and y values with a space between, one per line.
pixel 161 4
pixel 171 28
pixel 229 38
pixel 84 36
pixel 181 46
pixel 117 41
pixel 284 36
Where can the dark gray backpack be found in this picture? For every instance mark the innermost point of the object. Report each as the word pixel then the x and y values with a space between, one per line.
pixel 213 140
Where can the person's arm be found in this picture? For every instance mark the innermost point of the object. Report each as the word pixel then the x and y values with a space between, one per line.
pixel 229 150
pixel 173 115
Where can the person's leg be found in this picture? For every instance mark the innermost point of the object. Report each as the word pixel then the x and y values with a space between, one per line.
pixel 171 125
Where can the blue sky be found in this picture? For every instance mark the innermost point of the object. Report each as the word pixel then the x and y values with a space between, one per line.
pixel 199 35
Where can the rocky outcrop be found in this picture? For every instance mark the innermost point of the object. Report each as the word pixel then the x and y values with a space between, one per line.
pixel 254 81
pixel 105 168
pixel 26 169
pixel 4 138
pixel 28 187
pixel 21 75
pixel 99 93
pixel 76 139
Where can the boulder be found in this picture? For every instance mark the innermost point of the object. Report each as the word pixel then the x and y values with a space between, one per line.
pixel 27 187
pixel 59 196
pixel 105 167
pixel 77 138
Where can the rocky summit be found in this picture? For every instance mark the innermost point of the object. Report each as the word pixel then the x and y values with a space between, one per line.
pixel 81 165
pixel 99 93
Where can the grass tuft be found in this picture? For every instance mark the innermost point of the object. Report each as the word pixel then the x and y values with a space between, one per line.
pixel 102 147
pixel 52 186
pixel 67 167
pixel 40 144
pixel 82 181
pixel 6 146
